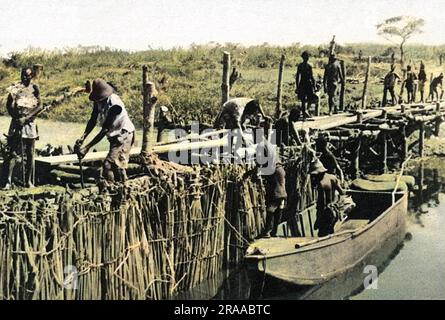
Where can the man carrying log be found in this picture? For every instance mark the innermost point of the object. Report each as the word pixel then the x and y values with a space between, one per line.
pixel 436 82
pixel 422 81
pixel 305 84
pixel 389 84
pixel 23 104
pixel 333 77
pixel 110 112
pixel 326 184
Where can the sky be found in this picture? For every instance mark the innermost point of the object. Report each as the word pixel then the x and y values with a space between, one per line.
pixel 139 24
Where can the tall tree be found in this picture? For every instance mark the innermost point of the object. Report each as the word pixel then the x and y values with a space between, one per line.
pixel 399 30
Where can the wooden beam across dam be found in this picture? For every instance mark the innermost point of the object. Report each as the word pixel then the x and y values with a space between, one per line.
pixel 212 139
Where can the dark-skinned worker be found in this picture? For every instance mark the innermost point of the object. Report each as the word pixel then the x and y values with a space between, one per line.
pixel 110 112
pixel 286 135
pixel 332 79
pixel 328 159
pixel 22 102
pixel 305 84
pixel 422 77
pixel 327 185
pixel 235 112
pixel 269 166
pixel 389 84
pixel 410 83
pixel 436 82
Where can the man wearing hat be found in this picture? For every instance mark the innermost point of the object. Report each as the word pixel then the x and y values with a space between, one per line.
pixel 333 77
pixel 305 84
pixel 327 184
pixel 22 103
pixel 110 112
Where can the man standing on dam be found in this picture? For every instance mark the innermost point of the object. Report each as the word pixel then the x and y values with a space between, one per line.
pixel 333 77
pixel 389 84
pixel 22 104
pixel 305 84
pixel 110 112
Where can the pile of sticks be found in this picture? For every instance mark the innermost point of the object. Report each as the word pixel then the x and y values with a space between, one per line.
pixel 147 239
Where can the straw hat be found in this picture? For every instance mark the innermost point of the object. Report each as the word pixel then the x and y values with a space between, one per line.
pixel 317 167
pixel 100 90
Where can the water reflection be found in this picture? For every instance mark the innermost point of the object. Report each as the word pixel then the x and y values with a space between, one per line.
pixel 423 208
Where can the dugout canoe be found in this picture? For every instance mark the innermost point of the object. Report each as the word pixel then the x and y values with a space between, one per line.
pixel 377 217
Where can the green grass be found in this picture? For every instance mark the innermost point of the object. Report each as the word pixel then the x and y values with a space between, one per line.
pixel 193 76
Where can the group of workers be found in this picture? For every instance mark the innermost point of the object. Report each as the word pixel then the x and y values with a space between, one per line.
pixel 24 104
pixel 411 83
pixel 307 88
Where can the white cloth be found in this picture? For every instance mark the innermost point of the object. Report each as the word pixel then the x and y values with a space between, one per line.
pixel 122 120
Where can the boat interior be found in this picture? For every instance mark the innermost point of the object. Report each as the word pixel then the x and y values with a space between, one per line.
pixel 369 205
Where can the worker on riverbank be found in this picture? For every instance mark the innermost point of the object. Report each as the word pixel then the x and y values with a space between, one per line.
pixel 410 84
pixel 389 84
pixel 110 112
pixel 22 103
pixel 435 83
pixel 422 77
pixel 332 79
pixel 305 85
pixel 327 185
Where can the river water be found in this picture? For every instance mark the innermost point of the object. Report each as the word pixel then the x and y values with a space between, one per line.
pixel 414 269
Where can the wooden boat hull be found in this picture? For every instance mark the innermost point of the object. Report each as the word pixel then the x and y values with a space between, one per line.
pixel 321 259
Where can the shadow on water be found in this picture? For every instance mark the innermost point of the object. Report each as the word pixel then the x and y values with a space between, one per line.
pixel 238 284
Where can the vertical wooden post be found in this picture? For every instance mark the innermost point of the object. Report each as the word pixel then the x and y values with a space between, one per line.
pixel 365 86
pixel 404 146
pixel 343 86
pixel 384 146
pixel 279 88
pixel 149 99
pixel 356 159
pixel 225 86
pixel 438 121
pixel 421 138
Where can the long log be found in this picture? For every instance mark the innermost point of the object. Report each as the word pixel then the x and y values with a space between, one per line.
pixel 279 87
pixel 365 86
pixel 149 96
pixel 225 86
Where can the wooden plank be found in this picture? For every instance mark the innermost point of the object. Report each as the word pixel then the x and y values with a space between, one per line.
pixel 99 156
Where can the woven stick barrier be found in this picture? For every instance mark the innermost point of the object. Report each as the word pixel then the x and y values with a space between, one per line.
pixel 149 239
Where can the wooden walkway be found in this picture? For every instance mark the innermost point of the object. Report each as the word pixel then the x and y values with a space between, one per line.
pixel 206 141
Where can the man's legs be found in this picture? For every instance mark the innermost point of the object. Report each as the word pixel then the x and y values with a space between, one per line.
pixel 385 93
pixel 8 169
pixel 29 145
pixel 393 96
pixel 107 171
